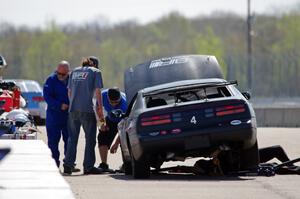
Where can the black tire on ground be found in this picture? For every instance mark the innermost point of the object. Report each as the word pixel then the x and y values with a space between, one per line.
pixel 140 168
pixel 39 121
pixel 250 157
pixel 229 161
pixel 127 165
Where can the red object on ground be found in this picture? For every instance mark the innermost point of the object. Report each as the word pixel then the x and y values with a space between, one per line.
pixel 9 101
pixel 16 97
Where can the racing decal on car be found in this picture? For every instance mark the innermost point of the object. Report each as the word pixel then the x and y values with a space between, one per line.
pixel 168 61
pixel 176 131
pixel 193 120
pixel 154 133
pixel 236 122
pixel 79 75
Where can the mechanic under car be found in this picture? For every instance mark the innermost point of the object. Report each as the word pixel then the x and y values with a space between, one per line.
pixel 212 167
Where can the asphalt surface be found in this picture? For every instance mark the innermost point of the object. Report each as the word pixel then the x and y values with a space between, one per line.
pixel 180 186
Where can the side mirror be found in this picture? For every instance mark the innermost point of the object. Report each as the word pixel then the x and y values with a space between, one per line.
pixel 247 95
pixel 118 113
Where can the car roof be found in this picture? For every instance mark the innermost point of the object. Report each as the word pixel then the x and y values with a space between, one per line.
pixel 182 83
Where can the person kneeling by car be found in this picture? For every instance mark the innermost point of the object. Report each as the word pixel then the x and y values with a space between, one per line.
pixel 112 99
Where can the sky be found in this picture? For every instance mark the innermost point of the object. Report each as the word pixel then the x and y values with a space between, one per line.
pixel 36 13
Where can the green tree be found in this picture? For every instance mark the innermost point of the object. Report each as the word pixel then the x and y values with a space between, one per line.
pixel 209 44
pixel 45 51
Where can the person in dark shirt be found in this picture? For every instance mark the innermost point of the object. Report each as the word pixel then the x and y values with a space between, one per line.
pixel 85 82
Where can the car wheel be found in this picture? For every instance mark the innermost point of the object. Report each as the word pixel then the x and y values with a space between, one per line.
pixel 140 168
pixel 250 157
pixel 126 165
pixel 229 161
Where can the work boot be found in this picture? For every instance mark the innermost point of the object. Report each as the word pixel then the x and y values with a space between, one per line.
pixel 74 169
pixel 105 168
pixel 93 170
pixel 67 170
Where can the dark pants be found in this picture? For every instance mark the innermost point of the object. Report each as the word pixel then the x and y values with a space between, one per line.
pixel 268 153
pixel 54 133
pixel 88 122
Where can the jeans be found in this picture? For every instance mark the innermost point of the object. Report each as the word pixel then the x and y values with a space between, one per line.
pixel 88 122
pixel 54 133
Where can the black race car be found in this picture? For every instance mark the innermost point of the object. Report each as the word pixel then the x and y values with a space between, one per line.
pixel 182 107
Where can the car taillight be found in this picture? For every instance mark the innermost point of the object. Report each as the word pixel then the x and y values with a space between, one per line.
pixel 156 120
pixel 38 98
pixel 231 109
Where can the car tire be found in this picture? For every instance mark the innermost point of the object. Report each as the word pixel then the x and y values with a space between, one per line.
pixel 140 168
pixel 250 157
pixel 127 165
pixel 229 161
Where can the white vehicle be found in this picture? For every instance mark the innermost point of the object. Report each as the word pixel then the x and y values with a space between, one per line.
pixel 32 92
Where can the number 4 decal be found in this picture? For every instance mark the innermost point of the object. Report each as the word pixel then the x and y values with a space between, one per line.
pixel 193 120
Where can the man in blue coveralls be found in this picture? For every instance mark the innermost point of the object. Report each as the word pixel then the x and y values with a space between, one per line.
pixel 56 97
pixel 113 99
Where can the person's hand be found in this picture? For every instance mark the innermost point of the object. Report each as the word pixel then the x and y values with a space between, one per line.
pixel 64 107
pixel 104 128
pixel 100 114
pixel 114 148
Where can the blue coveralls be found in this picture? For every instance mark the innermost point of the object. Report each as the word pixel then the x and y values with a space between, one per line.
pixel 55 94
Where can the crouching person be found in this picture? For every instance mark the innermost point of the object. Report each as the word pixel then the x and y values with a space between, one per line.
pixel 113 99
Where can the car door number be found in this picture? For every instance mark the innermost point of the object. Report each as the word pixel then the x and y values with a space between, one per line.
pixel 193 120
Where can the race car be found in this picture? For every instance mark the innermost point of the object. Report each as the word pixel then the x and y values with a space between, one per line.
pixel 181 107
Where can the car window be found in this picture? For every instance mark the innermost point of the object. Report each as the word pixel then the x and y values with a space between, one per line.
pixel 186 96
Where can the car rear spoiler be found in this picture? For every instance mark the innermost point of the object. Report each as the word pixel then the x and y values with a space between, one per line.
pixel 190 87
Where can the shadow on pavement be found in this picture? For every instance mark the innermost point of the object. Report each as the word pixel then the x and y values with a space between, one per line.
pixel 183 177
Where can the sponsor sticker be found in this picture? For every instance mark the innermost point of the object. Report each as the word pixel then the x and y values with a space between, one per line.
pixel 168 61
pixel 154 133
pixel 236 122
pixel 176 131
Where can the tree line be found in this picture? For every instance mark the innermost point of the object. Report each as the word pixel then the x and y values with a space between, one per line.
pixel 33 53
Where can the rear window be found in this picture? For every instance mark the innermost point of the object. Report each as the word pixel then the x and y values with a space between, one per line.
pixel 29 86
pixel 186 96
pixel 22 86
pixel 33 87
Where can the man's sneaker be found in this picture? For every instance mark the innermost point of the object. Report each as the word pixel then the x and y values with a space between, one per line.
pixel 106 168
pixel 93 170
pixel 74 169
pixel 121 169
pixel 67 170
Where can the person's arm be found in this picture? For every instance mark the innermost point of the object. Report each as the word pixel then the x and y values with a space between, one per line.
pixel 49 96
pixel 99 108
pixel 115 146
pixel 98 94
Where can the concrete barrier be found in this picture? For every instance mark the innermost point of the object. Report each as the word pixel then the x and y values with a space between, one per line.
pixel 278 117
pixel 30 172
pixel 277 112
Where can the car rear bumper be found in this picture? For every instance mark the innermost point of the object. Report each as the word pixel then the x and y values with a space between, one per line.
pixel 201 139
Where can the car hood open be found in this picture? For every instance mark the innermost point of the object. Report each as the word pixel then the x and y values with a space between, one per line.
pixel 169 69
